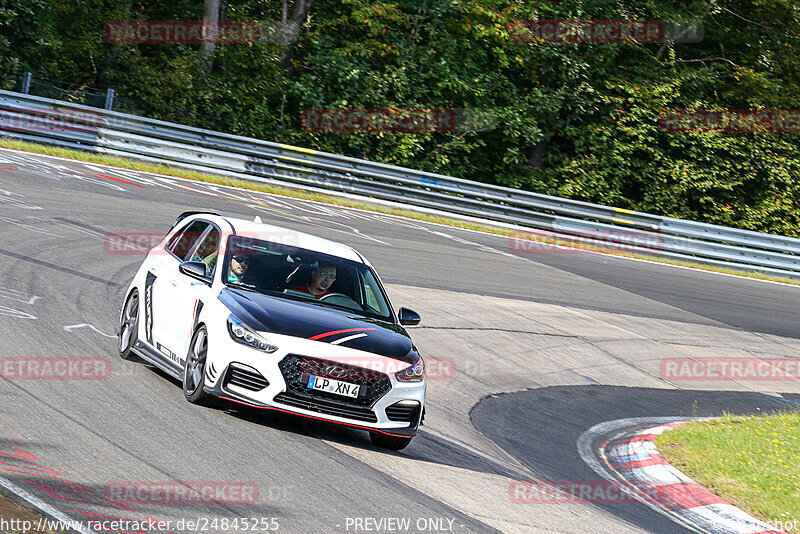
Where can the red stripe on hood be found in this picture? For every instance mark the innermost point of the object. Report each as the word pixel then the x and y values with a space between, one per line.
pixel 333 332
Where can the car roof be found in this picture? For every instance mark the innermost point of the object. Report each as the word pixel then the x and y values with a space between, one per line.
pixel 287 236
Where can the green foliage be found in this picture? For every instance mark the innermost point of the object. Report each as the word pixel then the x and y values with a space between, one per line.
pixel 749 461
pixel 577 120
pixel 23 23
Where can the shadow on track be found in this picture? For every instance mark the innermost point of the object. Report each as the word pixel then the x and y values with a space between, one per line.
pixel 425 447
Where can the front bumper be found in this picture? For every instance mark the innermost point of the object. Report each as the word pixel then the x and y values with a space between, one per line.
pixel 240 399
pixel 283 393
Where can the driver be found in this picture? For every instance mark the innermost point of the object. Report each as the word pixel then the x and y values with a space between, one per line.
pixel 322 278
pixel 238 267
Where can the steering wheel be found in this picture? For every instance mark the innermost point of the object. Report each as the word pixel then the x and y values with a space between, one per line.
pixel 340 299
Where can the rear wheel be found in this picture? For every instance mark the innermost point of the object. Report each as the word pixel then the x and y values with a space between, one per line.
pixel 195 371
pixel 395 443
pixel 128 326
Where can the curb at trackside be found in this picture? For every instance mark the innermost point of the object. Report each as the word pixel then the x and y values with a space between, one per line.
pixel 634 457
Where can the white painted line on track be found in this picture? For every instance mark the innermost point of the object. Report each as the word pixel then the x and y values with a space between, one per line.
pixel 17 314
pixel 70 328
pixel 8 198
pixel 27 226
pixel 16 294
pixel 43 506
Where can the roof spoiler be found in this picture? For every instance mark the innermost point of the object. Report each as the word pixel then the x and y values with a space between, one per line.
pixel 185 214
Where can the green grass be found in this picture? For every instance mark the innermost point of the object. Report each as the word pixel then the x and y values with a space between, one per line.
pixel 115 161
pixel 752 462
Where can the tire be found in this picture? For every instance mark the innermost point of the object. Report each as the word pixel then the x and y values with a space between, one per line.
pixel 128 326
pixel 194 372
pixel 394 443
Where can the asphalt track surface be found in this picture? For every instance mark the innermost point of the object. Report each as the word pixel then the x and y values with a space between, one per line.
pixel 55 272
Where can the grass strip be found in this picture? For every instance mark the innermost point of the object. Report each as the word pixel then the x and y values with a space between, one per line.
pixel 6 142
pixel 752 462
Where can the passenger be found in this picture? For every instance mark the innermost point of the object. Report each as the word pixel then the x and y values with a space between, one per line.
pixel 237 269
pixel 322 278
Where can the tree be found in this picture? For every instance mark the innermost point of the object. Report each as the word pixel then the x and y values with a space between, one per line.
pixel 210 20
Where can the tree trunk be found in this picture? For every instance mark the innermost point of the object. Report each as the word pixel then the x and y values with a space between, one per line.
pixel 210 20
pixel 290 28
pixel 284 18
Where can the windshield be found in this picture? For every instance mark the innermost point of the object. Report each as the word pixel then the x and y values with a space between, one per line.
pixel 295 273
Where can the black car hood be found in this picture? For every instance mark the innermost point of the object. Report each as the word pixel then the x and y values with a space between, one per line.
pixel 321 323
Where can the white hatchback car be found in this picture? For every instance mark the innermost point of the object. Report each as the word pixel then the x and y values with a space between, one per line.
pixel 276 319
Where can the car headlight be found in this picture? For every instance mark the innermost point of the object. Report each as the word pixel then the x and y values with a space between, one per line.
pixel 241 333
pixel 415 373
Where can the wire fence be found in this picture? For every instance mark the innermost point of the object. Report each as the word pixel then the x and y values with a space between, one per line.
pixel 76 94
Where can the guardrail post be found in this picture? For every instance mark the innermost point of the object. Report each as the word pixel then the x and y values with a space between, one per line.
pixel 109 99
pixel 26 83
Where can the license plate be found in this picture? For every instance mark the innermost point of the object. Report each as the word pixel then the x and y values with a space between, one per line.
pixel 337 387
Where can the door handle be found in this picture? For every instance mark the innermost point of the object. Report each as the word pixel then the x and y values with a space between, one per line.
pixel 174 282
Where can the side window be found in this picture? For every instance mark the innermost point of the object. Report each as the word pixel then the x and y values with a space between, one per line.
pixel 173 240
pixel 207 251
pixel 181 245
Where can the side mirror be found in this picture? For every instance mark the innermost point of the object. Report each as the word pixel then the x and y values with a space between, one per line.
pixel 195 269
pixel 408 317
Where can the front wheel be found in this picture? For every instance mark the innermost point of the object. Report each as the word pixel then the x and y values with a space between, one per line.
pixel 195 370
pixel 128 325
pixel 395 443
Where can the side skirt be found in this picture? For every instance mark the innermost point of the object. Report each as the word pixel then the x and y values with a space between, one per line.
pixel 153 357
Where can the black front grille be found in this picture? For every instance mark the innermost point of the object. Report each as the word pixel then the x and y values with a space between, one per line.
pixel 326 406
pixel 297 369
pixel 245 377
pixel 405 413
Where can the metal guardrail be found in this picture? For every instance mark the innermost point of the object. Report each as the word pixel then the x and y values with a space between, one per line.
pixel 74 126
